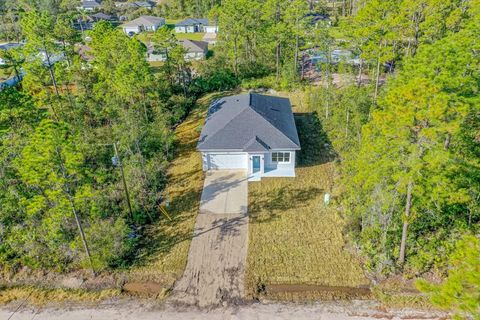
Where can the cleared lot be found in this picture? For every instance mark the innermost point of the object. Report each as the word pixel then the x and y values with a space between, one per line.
pixel 294 239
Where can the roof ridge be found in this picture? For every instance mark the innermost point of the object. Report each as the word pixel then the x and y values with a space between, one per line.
pixel 258 140
pixel 270 123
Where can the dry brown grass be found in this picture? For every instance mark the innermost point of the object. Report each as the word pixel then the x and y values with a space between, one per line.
pixel 42 296
pixel 293 237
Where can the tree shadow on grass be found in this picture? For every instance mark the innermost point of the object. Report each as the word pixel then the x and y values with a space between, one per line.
pixel 280 200
pixel 163 235
pixel 316 146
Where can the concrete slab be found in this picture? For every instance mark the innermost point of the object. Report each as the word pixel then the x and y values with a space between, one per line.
pixel 225 192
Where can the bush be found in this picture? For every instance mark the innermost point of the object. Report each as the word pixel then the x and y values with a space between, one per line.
pixel 219 80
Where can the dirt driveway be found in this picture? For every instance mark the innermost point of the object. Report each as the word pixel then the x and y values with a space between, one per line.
pixel 216 262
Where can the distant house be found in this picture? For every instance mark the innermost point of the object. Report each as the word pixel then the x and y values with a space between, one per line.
pixel 101 16
pixel 195 50
pixel 250 132
pixel 89 5
pixel 192 25
pixel 143 23
pixel 315 57
pixel 136 5
pixel 316 19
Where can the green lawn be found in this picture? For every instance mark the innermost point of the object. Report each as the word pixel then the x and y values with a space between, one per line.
pixel 145 36
pixel 198 36
pixel 294 239
pixel 171 22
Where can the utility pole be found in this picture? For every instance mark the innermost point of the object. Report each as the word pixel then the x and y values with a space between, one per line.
pixel 117 156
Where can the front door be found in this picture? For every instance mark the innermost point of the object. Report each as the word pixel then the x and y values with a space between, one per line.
pixel 256 164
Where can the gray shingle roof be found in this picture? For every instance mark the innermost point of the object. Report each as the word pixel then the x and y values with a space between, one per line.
pixel 90 4
pixel 145 21
pixel 250 123
pixel 192 22
pixel 193 45
pixel 101 16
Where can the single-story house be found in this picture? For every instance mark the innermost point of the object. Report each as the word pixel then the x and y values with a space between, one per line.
pixel 101 16
pixel 316 19
pixel 136 5
pixel 316 56
pixel 89 5
pixel 251 132
pixel 143 23
pixel 195 50
pixel 192 25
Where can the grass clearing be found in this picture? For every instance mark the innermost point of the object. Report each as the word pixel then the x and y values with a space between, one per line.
pixel 198 36
pixel 294 239
pixel 146 36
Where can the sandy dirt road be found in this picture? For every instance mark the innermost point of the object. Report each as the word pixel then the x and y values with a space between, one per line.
pixel 135 310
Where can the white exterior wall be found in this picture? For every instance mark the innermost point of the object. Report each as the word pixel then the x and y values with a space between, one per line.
pixel 224 160
pixel 156 57
pixel 185 29
pixel 283 168
pixel 194 56
pixel 211 29
pixel 180 29
pixel 242 160
pixel 128 30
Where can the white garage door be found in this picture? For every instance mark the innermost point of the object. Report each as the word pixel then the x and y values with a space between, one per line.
pixel 227 161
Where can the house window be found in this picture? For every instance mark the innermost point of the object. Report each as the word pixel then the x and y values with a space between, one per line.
pixel 281 157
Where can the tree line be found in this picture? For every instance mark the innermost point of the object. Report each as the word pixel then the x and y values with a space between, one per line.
pixel 407 149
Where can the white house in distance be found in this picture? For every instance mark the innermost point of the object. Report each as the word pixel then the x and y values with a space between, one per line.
pixel 143 23
pixel 89 5
pixel 251 132
pixel 191 25
pixel 195 50
pixel 149 5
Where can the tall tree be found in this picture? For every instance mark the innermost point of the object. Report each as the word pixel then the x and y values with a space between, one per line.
pixel 460 291
pixel 406 166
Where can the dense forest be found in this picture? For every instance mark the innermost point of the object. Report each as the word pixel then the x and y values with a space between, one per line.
pixel 85 145
pixel 405 128
pixel 408 150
